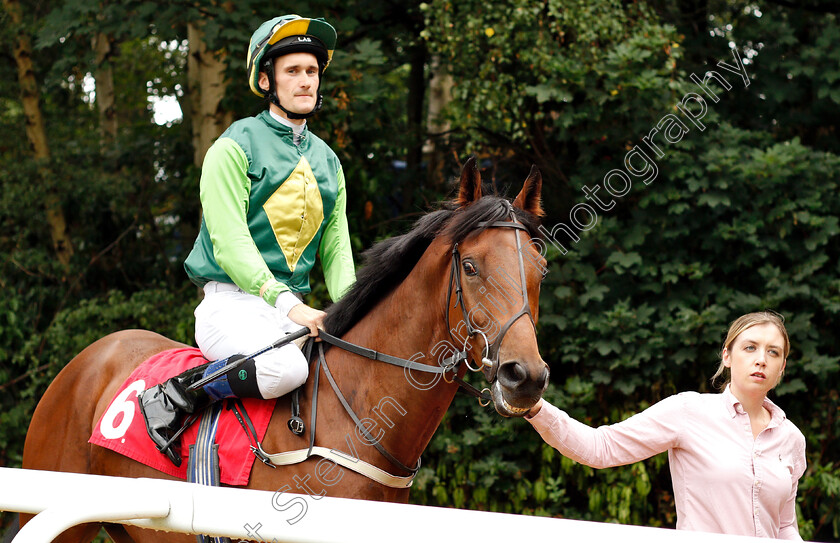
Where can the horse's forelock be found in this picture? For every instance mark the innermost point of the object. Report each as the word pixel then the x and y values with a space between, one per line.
pixel 487 210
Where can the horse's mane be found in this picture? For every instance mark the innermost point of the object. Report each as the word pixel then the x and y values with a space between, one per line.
pixel 387 263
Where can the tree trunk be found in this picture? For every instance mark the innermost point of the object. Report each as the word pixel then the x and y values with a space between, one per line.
pixel 440 94
pixel 37 135
pixel 414 105
pixel 105 98
pixel 207 87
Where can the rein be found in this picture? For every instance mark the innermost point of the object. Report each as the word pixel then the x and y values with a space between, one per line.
pixel 449 364
pixel 297 426
pixel 490 363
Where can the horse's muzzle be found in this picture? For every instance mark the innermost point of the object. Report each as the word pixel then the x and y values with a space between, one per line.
pixel 516 390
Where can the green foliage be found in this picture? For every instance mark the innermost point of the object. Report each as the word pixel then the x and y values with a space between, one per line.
pixel 741 216
pixel 637 311
pixel 796 73
pixel 33 360
pixel 558 84
pixel 492 464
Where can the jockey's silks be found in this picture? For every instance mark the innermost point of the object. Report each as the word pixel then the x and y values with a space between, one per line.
pixel 256 184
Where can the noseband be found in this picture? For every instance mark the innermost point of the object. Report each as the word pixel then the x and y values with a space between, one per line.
pixel 490 360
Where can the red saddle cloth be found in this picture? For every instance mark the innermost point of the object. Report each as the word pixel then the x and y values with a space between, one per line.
pixel 121 428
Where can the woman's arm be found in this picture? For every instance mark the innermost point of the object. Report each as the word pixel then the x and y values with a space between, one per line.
pixel 788 526
pixel 646 434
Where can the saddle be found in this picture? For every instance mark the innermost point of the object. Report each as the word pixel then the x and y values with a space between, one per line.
pixel 122 430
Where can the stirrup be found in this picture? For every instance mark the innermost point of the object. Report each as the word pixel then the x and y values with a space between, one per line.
pixel 167 447
pixel 164 405
pixel 161 420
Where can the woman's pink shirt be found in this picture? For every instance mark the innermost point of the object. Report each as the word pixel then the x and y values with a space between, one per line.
pixel 724 480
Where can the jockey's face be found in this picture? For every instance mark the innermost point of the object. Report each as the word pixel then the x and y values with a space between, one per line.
pixel 296 82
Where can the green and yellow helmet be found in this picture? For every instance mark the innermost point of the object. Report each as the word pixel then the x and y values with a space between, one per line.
pixel 288 34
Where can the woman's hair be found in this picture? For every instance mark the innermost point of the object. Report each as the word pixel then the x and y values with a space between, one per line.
pixel 748 321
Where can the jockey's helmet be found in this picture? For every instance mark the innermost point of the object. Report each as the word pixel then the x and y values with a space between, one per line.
pixel 281 36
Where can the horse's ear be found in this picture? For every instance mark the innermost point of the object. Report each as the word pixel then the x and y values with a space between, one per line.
pixel 528 198
pixel 470 186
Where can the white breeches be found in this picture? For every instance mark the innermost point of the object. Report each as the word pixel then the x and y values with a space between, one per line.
pixel 230 321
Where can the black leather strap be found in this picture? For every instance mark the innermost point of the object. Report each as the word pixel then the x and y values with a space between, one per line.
pixel 376 355
pixel 238 409
pixel 448 364
pixel 384 452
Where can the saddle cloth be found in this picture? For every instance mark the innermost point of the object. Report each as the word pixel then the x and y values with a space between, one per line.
pixel 122 430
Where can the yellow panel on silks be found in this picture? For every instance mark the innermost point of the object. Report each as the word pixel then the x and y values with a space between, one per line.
pixel 295 212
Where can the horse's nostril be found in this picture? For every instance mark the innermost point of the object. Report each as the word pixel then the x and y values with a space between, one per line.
pixel 512 374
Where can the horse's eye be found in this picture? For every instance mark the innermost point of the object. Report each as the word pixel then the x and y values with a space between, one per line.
pixel 469 268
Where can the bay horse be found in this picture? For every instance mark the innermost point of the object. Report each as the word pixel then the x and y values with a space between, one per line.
pixel 401 305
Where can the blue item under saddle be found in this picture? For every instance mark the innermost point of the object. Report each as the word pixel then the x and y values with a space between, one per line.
pixel 203 466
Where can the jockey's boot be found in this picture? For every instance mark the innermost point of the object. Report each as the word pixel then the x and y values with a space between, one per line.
pixel 163 406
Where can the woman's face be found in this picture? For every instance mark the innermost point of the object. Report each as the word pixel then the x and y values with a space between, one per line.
pixel 756 360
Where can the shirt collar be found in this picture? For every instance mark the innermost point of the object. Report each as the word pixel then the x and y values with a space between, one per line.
pixel 734 407
pixel 296 128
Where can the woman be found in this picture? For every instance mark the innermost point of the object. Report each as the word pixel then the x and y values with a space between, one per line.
pixel 735 458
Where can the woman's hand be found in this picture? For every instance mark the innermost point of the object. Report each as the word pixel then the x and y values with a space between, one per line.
pixel 307 316
pixel 535 409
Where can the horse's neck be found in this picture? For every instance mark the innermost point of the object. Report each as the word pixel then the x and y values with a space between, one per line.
pixel 408 323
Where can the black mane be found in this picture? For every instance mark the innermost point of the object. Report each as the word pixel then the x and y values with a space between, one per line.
pixel 388 263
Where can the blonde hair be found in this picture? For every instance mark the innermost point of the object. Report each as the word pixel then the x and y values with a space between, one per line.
pixel 748 321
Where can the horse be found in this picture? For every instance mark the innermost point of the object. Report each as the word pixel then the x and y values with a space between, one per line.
pixel 399 305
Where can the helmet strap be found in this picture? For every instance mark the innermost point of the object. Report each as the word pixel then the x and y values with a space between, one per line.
pixel 268 68
pixel 295 116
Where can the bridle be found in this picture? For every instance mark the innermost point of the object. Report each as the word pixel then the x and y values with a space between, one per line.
pixel 448 367
pixel 490 360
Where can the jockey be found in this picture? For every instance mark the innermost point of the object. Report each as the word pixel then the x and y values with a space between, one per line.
pixel 273 197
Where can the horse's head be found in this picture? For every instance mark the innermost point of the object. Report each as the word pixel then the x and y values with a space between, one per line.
pixel 495 285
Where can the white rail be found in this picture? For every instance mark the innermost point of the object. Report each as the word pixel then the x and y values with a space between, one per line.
pixel 62 500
